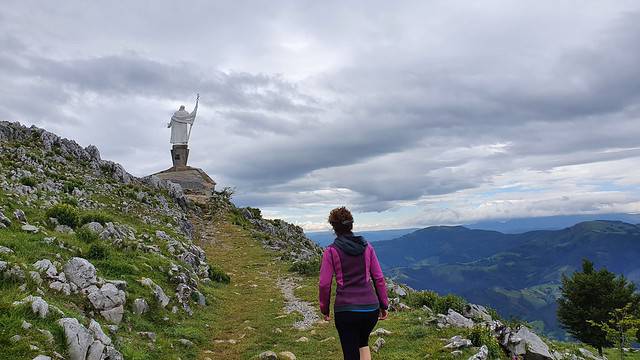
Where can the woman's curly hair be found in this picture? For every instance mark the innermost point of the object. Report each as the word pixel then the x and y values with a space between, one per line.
pixel 341 220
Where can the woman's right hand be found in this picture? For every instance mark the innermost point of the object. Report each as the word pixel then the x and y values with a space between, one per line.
pixel 383 314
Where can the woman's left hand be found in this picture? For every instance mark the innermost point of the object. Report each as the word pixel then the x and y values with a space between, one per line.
pixel 383 314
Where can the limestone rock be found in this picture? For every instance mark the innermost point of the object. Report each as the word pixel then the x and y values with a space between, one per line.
pixel 477 312
pixel 380 332
pixel 98 334
pixel 77 336
pixel 15 273
pixel 186 342
pixel 47 267
pixel 80 272
pixel 20 216
pixel 94 227
pixel 41 357
pixel 524 342
pixel 286 355
pixel 453 318
pixel 40 307
pixel 458 342
pixel 378 345
pixel 5 250
pixel 107 297
pixel 65 229
pixel 159 294
pixel 268 355
pixel 95 351
pixel 30 228
pixel 140 306
pixel 482 354
pixel 113 315
pixel 4 220
pixel 26 325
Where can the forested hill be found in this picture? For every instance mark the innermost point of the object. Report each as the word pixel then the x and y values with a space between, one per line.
pixel 518 274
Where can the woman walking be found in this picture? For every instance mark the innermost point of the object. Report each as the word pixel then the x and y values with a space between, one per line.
pixel 358 304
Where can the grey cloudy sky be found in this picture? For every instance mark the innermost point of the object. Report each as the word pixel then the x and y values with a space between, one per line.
pixel 412 113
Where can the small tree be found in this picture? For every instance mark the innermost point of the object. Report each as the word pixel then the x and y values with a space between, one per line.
pixel 590 297
pixel 622 328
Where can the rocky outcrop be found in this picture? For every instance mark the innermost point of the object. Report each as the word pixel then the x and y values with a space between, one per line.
pixel 523 342
pixel 88 344
pixel 282 237
pixel 454 318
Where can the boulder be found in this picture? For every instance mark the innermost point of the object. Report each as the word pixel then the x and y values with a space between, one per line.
pixel 78 338
pixel 39 307
pixel 98 334
pixel 476 312
pixel 47 267
pixel 41 357
pixel 140 306
pixel 4 220
pixel 159 294
pixel 113 315
pixel 107 297
pixel 5 250
pixel 268 355
pixel 455 319
pixel 378 345
pixel 381 331
pixel 29 228
pixel 94 227
pixel 458 342
pixel 65 229
pixel 286 355
pixel 525 342
pixel 482 354
pixel 20 216
pixel 80 272
pixel 95 351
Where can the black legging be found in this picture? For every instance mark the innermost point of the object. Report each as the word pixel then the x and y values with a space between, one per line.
pixel 354 329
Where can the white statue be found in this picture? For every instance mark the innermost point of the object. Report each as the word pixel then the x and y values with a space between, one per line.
pixel 181 124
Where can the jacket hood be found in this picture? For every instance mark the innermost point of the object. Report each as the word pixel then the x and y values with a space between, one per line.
pixel 350 244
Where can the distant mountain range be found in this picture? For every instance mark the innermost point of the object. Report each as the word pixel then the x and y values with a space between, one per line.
pixel 516 226
pixel 517 274
pixel 324 238
pixel 507 226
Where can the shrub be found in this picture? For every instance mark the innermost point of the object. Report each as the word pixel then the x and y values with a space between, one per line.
pixel 86 235
pixel 70 185
pixel 480 335
pixel 95 216
pixel 70 201
pixel 65 213
pixel 450 301
pixel 218 275
pixel 98 252
pixel 28 181
pixel 418 299
pixel 307 268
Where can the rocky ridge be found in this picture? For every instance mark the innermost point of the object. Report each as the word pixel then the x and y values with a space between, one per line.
pixel 144 217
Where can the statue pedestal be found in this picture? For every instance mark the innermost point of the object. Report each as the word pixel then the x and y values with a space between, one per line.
pixel 179 155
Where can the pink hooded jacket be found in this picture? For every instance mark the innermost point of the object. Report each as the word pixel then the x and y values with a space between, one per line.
pixel 353 274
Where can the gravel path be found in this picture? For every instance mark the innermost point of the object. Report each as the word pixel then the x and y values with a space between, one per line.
pixel 293 304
